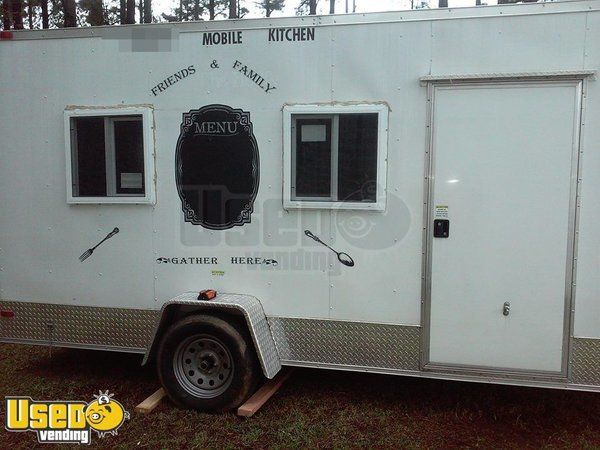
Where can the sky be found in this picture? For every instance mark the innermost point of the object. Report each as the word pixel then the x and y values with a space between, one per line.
pixel 161 6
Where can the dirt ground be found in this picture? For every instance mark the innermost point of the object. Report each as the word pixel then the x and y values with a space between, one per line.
pixel 314 409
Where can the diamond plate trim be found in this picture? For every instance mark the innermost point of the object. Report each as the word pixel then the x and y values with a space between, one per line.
pixel 254 314
pixel 83 326
pixel 347 343
pixel 585 361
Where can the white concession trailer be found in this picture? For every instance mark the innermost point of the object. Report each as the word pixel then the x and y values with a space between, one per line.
pixel 409 193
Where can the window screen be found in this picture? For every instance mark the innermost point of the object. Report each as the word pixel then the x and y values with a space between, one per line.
pixel 90 161
pixel 313 158
pixel 357 157
pixel 108 156
pixel 129 156
pixel 335 157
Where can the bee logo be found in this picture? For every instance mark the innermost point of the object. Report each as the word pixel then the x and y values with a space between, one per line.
pixel 65 422
pixel 105 415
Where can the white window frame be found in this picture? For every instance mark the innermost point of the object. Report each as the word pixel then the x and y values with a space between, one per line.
pixel 329 111
pixel 111 115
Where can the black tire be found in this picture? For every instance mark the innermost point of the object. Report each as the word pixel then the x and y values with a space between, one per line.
pixel 206 349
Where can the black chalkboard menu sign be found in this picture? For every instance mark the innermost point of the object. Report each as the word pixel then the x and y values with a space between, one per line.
pixel 217 167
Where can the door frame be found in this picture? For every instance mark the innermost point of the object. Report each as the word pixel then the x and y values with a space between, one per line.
pixel 579 81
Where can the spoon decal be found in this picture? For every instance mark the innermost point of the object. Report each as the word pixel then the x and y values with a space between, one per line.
pixel 342 257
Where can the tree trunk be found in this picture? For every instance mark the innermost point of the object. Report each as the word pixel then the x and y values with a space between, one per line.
pixel 30 14
pixel 122 12
pixel 196 12
pixel 6 9
pixel 45 20
pixel 130 16
pixel 211 9
pixel 96 16
pixel 147 11
pixel 70 13
pixel 141 10
pixel 268 11
pixel 233 9
pixel 312 5
pixel 331 6
pixel 17 14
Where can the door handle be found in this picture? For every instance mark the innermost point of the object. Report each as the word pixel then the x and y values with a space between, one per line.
pixel 506 308
pixel 441 228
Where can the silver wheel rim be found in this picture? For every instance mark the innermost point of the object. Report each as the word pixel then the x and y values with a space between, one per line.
pixel 203 366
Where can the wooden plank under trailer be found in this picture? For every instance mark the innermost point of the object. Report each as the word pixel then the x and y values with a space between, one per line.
pixel 260 397
pixel 248 409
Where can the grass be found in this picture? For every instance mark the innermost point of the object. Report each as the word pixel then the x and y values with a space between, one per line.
pixel 314 409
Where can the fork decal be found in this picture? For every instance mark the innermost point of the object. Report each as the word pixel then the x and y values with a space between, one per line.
pixel 85 255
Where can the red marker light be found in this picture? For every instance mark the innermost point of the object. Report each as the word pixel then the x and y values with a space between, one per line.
pixel 7 313
pixel 5 35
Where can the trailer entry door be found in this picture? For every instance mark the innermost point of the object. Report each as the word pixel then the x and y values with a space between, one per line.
pixel 501 217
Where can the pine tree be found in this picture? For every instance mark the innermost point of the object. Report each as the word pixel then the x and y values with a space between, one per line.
pixel 70 13
pixel 45 17
pixel 31 4
pixel 112 12
pixel 122 12
pixel 130 11
pixel 305 6
pixel 93 12
pixel 196 9
pixel 147 11
pixel 16 13
pixel 241 11
pixel 186 11
pixel 6 7
pixel 269 6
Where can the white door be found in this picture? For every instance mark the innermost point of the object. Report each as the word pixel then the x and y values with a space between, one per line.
pixel 502 165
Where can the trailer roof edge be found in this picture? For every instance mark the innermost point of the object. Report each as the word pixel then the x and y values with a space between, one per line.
pixel 507 10
pixel 509 76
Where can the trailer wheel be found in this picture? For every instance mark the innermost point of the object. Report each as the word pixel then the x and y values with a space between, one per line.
pixel 204 363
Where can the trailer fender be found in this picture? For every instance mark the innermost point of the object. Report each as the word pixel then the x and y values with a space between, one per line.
pixel 247 306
